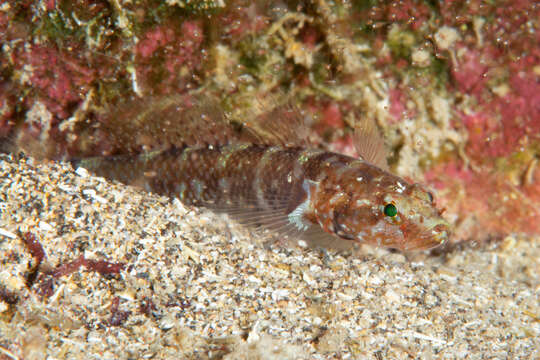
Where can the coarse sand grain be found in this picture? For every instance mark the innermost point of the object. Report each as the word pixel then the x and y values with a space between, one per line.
pixel 131 275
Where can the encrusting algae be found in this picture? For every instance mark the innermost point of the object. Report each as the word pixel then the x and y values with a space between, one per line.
pixel 265 174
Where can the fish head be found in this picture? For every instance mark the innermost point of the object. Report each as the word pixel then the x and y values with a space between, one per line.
pixel 389 213
pixel 407 219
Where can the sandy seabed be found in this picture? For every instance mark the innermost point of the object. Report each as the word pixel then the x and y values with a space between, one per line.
pixel 183 283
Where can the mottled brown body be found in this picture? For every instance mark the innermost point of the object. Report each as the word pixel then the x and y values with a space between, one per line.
pixel 257 176
pixel 292 189
pixel 263 170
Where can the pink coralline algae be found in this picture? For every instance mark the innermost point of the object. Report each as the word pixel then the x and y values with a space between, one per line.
pixel 502 124
pixel 398 109
pixel 494 75
pixel 170 57
pixel 409 12
pixel 242 21
pixel 487 204
pixel 332 116
pixel 153 40
pixel 469 73
pixel 56 77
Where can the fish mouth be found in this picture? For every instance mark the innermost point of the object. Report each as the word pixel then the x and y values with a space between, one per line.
pixel 430 238
pixel 411 237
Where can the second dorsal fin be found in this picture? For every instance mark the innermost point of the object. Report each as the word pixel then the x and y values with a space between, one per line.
pixel 282 125
pixel 369 143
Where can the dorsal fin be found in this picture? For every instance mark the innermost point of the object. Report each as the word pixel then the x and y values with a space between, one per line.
pixel 283 125
pixel 184 120
pixel 369 143
pixel 178 121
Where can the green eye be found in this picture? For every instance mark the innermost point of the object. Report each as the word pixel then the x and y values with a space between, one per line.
pixel 390 210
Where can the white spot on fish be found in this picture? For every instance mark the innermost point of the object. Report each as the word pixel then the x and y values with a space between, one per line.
pixel 360 235
pixel 361 202
pixel 224 185
pixel 336 198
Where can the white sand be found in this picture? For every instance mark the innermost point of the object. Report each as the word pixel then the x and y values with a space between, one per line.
pixel 216 292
